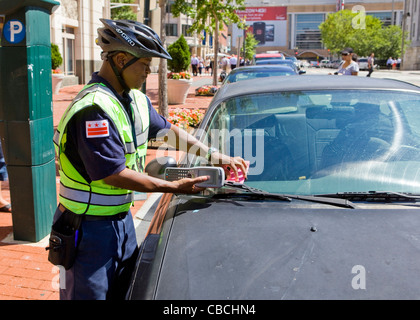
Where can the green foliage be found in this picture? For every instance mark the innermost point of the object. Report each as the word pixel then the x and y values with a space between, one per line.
pixel 362 32
pixel 250 45
pixel 56 59
pixel 181 56
pixel 123 13
pixel 205 12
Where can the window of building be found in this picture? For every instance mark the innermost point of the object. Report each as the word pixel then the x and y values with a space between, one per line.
pixel 171 29
pixel 169 6
pixel 308 35
pixel 185 30
pixel 385 17
pixel 68 50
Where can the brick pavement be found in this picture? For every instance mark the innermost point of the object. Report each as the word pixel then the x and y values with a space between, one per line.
pixel 25 273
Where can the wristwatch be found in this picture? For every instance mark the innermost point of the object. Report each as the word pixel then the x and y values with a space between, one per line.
pixel 209 153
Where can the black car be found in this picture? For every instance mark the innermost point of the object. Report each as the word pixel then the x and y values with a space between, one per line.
pixel 330 209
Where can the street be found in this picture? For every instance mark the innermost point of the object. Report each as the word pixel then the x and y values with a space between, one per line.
pixel 408 76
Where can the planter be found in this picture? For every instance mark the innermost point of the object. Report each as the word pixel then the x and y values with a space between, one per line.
pixel 57 79
pixel 178 90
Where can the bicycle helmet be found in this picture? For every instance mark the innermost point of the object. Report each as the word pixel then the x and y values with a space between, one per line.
pixel 132 37
pixel 128 36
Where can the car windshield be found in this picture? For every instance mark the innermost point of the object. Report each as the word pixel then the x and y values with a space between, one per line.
pixel 322 142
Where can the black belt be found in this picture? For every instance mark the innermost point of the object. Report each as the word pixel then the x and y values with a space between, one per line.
pixel 88 217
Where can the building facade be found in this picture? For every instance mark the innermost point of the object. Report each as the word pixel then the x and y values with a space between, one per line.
pixel 74 29
pixel 297 23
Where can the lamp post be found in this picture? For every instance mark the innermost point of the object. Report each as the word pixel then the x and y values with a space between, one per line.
pixel 404 17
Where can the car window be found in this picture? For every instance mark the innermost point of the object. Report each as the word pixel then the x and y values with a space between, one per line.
pixel 323 142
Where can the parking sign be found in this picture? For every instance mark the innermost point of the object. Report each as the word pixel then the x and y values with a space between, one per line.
pixel 14 31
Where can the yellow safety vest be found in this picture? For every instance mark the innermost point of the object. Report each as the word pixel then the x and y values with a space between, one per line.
pixel 97 197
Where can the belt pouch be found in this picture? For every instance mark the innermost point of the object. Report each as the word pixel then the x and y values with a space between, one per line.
pixel 64 238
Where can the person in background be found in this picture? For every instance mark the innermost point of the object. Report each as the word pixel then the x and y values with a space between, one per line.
pixel 371 63
pixel 194 64
pixel 389 63
pixel 4 205
pixel 348 67
pixel 233 61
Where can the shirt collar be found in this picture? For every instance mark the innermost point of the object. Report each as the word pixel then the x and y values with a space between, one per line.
pixel 125 100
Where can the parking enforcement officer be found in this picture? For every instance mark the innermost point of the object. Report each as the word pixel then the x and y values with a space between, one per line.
pixel 101 142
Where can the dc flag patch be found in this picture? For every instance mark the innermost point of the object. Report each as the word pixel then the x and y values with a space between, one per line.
pixel 97 129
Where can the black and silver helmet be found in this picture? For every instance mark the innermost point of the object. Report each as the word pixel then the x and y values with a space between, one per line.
pixel 132 37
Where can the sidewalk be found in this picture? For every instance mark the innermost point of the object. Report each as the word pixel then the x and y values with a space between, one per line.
pixel 25 273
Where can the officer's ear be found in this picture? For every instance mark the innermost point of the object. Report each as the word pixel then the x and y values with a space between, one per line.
pixel 120 59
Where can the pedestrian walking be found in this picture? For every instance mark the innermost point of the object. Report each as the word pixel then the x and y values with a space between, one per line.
pixel 101 143
pixel 371 64
pixel 194 64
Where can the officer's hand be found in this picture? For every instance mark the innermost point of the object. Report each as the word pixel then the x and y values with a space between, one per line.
pixel 234 163
pixel 188 185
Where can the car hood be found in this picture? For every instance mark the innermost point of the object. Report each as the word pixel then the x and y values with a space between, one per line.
pixel 270 250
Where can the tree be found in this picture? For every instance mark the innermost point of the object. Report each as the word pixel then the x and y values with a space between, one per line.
pixel 210 16
pixel 180 53
pixel 250 45
pixel 56 58
pixel 125 12
pixel 364 33
pixel 163 66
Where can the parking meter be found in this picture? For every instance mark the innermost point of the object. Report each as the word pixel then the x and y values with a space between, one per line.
pixel 26 115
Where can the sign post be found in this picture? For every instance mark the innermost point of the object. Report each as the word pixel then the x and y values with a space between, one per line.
pixel 26 120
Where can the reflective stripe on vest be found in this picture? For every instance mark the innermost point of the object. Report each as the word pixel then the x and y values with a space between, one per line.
pixel 96 197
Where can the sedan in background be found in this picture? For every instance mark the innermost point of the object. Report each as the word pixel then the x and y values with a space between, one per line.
pixel 268 55
pixel 279 62
pixel 260 71
pixel 330 208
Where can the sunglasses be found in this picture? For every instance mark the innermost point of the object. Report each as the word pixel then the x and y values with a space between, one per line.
pixel 345 54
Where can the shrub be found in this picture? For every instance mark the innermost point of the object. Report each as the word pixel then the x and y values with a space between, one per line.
pixel 56 59
pixel 181 56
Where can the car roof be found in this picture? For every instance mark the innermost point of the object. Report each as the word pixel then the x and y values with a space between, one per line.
pixel 263 67
pixel 307 82
pixel 268 55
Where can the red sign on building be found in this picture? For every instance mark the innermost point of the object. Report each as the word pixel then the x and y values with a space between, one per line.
pixel 263 14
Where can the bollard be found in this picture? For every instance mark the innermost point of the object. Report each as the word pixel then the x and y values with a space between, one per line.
pixel 26 115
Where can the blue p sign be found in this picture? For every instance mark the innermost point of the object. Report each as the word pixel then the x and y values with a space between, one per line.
pixel 14 31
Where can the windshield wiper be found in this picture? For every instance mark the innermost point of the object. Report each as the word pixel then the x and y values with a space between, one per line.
pixel 375 196
pixel 261 194
pixel 253 192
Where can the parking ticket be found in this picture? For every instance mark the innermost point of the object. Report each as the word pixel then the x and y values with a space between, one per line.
pixel 240 174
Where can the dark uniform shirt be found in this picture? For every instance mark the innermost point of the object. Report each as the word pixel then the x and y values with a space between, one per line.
pixel 99 157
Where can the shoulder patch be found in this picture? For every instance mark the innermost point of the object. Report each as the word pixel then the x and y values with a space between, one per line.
pixel 97 129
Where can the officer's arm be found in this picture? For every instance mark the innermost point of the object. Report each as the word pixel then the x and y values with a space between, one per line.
pixel 198 148
pixel 133 180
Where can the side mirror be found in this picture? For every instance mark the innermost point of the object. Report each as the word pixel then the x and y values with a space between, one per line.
pixel 156 167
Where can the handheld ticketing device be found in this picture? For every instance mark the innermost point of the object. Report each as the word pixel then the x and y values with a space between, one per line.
pixel 216 174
